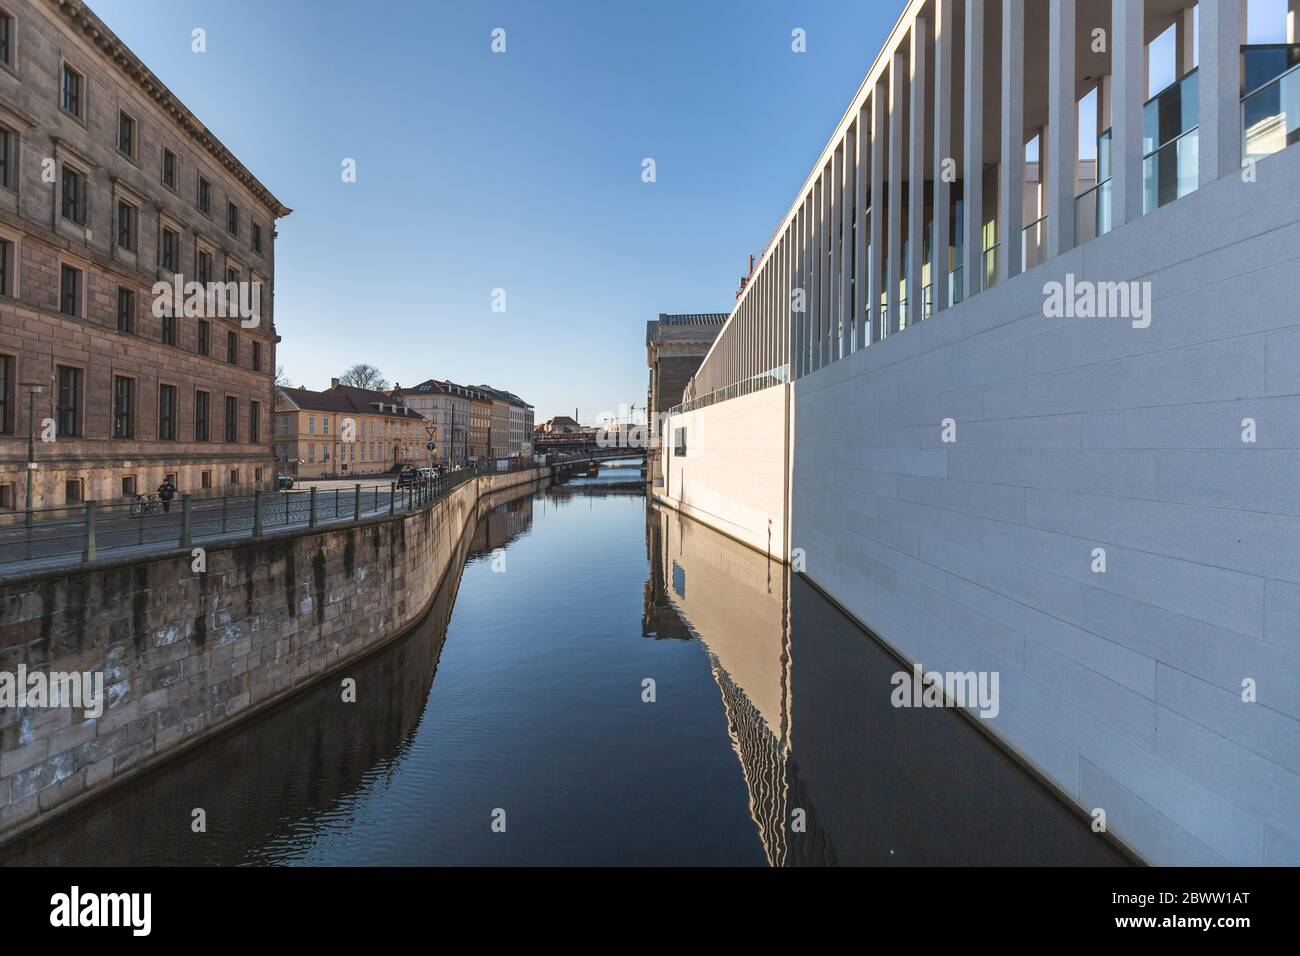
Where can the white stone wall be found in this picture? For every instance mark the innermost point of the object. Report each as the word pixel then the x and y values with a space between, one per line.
pixel 1123 687
pixel 734 475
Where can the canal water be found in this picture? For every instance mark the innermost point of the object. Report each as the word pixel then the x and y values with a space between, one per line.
pixel 604 683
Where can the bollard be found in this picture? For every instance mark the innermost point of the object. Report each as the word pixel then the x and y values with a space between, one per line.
pixel 185 521
pixel 392 497
pixel 311 516
pixel 257 513
pixel 223 514
pixel 90 531
pixel 356 503
pixel 337 513
pixel 287 496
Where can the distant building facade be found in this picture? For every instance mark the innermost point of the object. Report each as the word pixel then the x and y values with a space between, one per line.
pixel 344 431
pixel 675 347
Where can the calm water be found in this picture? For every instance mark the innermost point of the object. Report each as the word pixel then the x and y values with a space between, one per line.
pixel 523 692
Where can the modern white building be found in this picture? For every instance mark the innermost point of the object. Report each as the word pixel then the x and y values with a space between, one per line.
pixel 1016 383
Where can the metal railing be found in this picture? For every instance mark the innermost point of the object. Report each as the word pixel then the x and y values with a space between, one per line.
pixel 92 531
pixel 755 383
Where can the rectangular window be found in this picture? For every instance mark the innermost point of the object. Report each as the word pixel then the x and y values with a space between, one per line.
pixel 126 226
pixel 205 266
pixel 311 424
pixel 169 168
pixel 128 486
pixel 171 248
pixel 232 348
pixel 679 442
pixel 125 134
pixel 257 237
pixel 232 419
pixel 257 475
pixel 166 412
pixel 74 196
pixel 234 476
pixel 123 407
pixel 70 290
pixel 205 344
pixel 7 394
pixel 8 158
pixel 205 196
pixel 72 83
pixel 255 422
pixel 7 497
pixel 257 356
pixel 169 330
pixel 202 400
pixel 232 218
pixel 72 491
pixel 205 480
pixel 125 310
pixel 6 39
pixel 311 454
pixel 68 407
pixel 6 247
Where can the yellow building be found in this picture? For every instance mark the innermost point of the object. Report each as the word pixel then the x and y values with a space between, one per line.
pixel 345 431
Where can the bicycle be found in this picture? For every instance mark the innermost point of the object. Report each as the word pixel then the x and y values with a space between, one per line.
pixel 143 505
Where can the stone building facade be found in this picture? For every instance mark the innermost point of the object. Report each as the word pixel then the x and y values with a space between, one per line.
pixel 675 346
pixel 108 185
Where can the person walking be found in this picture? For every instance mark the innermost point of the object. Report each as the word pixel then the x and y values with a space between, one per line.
pixel 166 492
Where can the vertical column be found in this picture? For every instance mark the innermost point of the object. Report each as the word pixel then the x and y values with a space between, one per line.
pixel 1011 169
pixel 835 310
pixel 847 212
pixel 1062 127
pixel 1128 92
pixel 942 202
pixel 973 151
pixel 1185 41
pixel 815 272
pixel 824 276
pixel 916 175
pixel 1222 34
pixel 796 284
pixel 876 269
pixel 895 272
pixel 860 315
pixel 805 266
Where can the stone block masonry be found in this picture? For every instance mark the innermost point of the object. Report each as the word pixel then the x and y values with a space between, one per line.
pixel 185 655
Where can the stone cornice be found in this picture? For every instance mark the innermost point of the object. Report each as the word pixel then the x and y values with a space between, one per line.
pixel 80 17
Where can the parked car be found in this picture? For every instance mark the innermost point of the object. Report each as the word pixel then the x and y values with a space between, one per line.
pixel 408 477
pixel 285 481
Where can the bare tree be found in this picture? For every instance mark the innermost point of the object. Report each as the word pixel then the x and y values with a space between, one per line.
pixel 282 379
pixel 362 375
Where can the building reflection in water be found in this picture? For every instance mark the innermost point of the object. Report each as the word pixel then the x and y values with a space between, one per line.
pixel 836 773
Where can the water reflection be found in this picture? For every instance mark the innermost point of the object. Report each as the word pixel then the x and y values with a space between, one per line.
pixel 771 738
pixel 807 697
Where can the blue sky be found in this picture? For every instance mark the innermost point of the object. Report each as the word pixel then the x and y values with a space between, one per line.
pixel 519 171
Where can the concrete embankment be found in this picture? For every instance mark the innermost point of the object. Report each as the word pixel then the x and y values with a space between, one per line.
pixel 184 654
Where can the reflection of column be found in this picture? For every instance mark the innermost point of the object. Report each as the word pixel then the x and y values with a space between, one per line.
pixel 916 175
pixel 1222 34
pixel 1011 169
pixel 942 203
pixel 1128 88
pixel 973 158
pixel 1062 128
